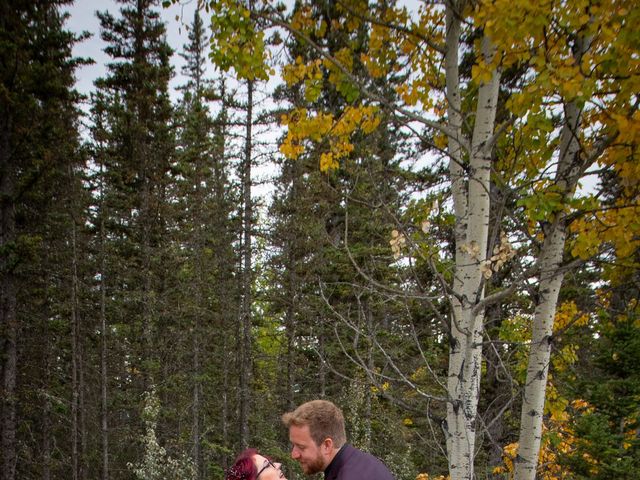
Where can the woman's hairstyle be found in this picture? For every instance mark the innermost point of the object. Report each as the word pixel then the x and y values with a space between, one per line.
pixel 323 418
pixel 243 468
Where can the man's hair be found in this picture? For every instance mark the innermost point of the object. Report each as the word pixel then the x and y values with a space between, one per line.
pixel 323 418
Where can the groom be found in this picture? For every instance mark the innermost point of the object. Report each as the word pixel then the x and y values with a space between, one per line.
pixel 318 443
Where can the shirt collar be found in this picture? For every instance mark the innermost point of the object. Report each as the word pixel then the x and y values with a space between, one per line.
pixel 335 464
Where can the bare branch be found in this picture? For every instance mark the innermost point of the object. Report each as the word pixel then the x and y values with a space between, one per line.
pixel 401 376
pixel 400 28
pixel 412 116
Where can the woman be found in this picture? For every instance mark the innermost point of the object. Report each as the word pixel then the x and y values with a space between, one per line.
pixel 250 465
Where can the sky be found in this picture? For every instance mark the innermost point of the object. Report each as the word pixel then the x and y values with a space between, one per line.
pixel 83 17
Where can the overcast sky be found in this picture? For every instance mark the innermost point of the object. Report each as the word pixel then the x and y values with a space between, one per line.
pixel 83 17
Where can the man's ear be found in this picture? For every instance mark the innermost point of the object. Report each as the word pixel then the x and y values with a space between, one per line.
pixel 327 445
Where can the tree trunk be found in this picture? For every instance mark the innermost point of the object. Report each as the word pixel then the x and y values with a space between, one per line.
pixel 83 411
pixel 49 351
pixel 322 371
pixel 46 429
pixel 104 410
pixel 224 415
pixel 292 297
pixel 291 355
pixel 531 416
pixel 245 313
pixel 8 315
pixel 539 357
pixel 78 383
pixel 570 168
pixel 9 325
pixel 368 412
pixel 75 361
pixel 197 387
pixel 227 314
pixel 472 208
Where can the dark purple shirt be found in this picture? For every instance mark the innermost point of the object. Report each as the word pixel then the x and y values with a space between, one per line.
pixel 353 464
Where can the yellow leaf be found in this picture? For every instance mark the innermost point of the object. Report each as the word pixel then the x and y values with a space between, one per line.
pixel 328 162
pixel 441 141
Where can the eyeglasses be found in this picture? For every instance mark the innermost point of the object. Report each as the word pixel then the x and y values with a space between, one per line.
pixel 268 463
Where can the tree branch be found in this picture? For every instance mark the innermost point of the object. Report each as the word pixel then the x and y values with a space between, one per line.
pixel 364 90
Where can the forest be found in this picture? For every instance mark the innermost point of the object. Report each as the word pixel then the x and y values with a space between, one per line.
pixel 446 241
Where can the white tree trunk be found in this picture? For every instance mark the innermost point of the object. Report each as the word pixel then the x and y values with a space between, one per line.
pixel 551 276
pixel 537 370
pixel 472 206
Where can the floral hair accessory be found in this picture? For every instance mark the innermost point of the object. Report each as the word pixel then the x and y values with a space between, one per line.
pixel 233 473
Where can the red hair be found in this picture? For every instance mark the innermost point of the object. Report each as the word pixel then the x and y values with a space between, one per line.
pixel 243 468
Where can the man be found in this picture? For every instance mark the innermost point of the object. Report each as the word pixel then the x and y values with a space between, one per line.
pixel 318 443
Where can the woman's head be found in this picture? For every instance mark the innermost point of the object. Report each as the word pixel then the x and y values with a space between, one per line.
pixel 250 465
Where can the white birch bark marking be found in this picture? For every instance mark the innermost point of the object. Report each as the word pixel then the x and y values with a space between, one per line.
pixel 472 205
pixel 531 417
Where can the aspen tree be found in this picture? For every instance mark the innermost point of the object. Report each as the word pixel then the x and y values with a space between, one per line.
pixel 572 106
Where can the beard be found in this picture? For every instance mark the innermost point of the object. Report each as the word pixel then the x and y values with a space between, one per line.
pixel 313 466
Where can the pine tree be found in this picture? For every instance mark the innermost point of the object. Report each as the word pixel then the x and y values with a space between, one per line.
pixel 204 236
pixel 601 432
pixel 332 233
pixel 136 149
pixel 39 213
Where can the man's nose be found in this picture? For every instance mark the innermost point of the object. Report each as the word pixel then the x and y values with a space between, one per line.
pixel 295 454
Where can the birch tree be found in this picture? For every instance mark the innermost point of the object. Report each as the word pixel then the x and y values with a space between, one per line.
pixel 526 99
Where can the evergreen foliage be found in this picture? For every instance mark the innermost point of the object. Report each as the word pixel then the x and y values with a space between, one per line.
pixel 157 316
pixel 42 211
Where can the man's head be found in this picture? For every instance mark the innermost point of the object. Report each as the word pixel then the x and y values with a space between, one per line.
pixel 316 433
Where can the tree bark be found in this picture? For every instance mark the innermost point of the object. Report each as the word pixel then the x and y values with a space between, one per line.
pixel 531 416
pixel 9 325
pixel 551 276
pixel 245 313
pixel 75 390
pixel 195 336
pixel 569 171
pixel 8 315
pixel 104 410
pixel 472 209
